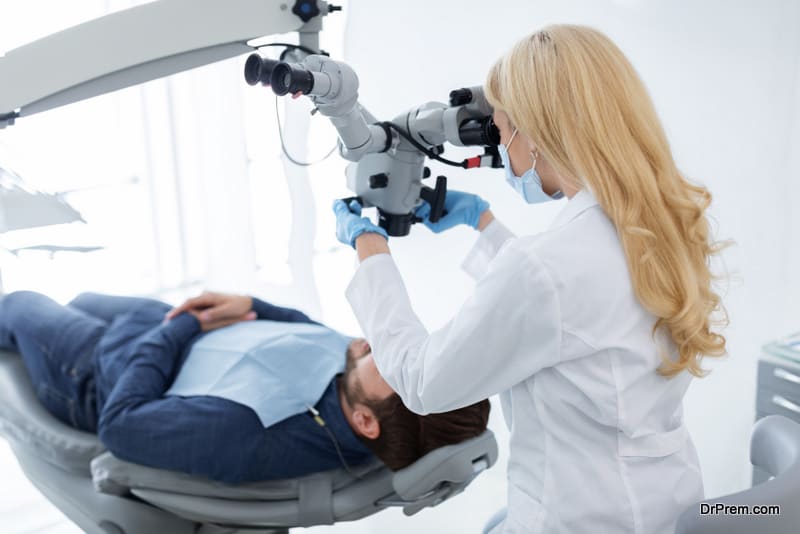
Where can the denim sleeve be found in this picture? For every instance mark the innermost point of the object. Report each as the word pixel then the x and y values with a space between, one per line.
pixel 203 436
pixel 265 310
pixel 108 307
pixel 134 402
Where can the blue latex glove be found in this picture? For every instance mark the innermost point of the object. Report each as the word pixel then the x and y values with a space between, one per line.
pixel 462 208
pixel 350 224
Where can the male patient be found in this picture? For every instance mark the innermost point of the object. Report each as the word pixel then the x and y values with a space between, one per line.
pixel 151 382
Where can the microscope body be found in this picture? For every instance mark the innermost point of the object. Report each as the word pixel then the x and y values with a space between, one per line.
pixel 387 158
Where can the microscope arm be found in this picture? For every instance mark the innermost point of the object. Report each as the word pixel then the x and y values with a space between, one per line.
pixel 137 45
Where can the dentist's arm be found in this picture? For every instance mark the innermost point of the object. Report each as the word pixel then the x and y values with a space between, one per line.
pixel 352 229
pixel 471 210
pixel 369 244
pixel 462 208
pixel 485 219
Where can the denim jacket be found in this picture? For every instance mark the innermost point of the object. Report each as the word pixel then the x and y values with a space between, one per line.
pixel 136 361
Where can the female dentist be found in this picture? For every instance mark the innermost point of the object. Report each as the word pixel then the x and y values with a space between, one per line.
pixel 590 331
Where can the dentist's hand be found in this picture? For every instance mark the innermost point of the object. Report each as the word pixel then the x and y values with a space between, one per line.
pixel 462 208
pixel 215 310
pixel 350 224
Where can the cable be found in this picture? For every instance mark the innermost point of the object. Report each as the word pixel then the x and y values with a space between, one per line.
pixel 287 47
pixel 286 152
pixel 430 153
pixel 321 422
pixel 290 46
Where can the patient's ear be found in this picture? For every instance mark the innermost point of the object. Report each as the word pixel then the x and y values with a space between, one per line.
pixel 366 422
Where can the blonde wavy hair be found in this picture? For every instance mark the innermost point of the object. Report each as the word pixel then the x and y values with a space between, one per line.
pixel 572 91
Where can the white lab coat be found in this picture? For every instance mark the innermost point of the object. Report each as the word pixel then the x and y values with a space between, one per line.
pixel 597 440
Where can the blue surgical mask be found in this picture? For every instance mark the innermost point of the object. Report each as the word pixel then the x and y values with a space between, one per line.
pixel 529 185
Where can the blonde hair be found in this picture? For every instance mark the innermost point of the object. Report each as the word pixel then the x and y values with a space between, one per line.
pixel 573 92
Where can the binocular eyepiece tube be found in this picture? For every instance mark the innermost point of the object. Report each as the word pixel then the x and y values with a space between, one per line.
pixel 481 132
pixel 284 78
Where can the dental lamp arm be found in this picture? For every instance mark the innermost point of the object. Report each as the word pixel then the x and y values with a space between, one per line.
pixel 139 44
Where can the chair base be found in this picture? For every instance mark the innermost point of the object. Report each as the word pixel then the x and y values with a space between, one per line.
pixel 99 513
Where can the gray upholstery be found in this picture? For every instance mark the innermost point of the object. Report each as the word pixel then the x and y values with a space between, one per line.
pixel 114 496
pixel 24 421
pixel 56 457
pixel 117 477
pixel 775 448
pixel 320 498
pixel 421 483
pixel 316 499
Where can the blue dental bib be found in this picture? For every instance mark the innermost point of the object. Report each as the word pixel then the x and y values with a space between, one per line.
pixel 276 368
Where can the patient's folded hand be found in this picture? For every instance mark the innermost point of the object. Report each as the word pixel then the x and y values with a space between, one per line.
pixel 215 310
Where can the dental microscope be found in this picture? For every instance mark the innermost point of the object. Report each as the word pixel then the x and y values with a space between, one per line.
pixel 387 158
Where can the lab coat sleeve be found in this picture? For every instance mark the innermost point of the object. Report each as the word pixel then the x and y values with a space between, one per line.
pixel 492 238
pixel 507 330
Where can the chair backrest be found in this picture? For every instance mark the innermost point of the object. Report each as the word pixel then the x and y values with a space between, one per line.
pixel 58 457
pixel 24 421
pixel 317 499
pixel 775 448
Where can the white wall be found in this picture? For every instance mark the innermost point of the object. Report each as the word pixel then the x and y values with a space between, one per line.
pixel 725 77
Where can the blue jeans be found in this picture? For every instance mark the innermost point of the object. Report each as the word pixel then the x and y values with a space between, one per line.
pixel 57 344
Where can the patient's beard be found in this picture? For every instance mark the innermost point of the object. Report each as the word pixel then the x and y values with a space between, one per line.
pixel 353 392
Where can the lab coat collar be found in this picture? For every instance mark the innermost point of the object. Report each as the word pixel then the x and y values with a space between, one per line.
pixel 580 202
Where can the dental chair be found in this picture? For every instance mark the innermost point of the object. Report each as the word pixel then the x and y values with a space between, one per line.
pixel 775 448
pixel 103 494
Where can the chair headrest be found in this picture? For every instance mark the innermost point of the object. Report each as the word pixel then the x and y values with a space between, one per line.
pixel 457 464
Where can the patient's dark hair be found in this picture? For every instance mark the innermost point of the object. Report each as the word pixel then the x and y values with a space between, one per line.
pixel 405 436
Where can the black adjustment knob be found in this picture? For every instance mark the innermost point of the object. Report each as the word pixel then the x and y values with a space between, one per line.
pixel 332 8
pixel 378 181
pixel 435 197
pixel 426 173
pixel 459 97
pixel 306 9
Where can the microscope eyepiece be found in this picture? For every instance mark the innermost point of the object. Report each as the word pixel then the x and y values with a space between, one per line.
pixel 258 69
pixel 284 78
pixel 481 131
pixel 460 97
pixel 287 78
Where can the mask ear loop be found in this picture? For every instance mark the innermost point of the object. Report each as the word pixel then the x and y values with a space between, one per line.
pixel 535 156
pixel 513 135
